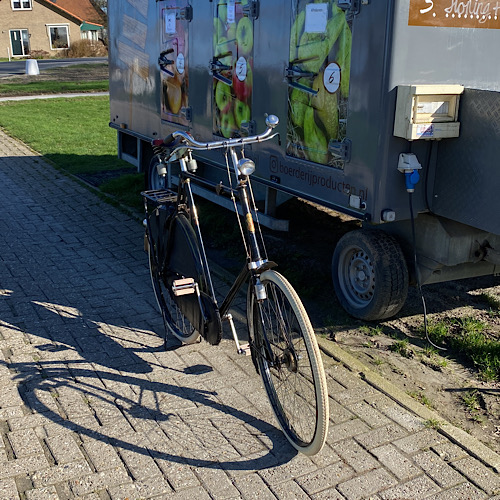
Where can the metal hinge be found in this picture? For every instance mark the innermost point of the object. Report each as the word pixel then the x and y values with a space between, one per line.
pixel 185 14
pixel 252 9
pixel 351 6
pixel 341 149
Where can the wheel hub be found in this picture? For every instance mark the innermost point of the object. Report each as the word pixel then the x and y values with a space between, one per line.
pixel 361 276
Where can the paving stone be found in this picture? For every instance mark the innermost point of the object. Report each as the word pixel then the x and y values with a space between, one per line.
pixel 60 473
pixel 216 482
pixel 346 430
pixel 464 491
pixel 401 466
pixel 404 418
pixel 419 441
pixel 293 468
pixel 154 487
pixel 420 487
pixel 329 494
pixel 99 480
pixel 64 449
pixel 479 474
pixel 252 486
pixel 449 451
pixel 23 465
pixel 49 493
pixel 365 486
pixel 380 435
pixel 289 489
pixel 339 413
pixel 199 493
pixel 321 479
pixel 438 469
pixel 356 456
pixel 8 490
pixel 25 443
pixel 368 414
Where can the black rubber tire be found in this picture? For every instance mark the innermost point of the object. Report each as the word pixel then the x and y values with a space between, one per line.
pixel 151 178
pixel 295 382
pixel 370 275
pixel 175 321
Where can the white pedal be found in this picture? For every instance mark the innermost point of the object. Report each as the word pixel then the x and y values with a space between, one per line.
pixel 184 286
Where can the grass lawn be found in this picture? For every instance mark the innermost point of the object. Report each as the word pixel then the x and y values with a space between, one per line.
pixel 74 134
pixel 52 87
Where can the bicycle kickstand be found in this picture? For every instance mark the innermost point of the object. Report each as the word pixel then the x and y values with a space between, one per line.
pixel 243 349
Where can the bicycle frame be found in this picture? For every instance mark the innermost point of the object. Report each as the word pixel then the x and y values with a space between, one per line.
pixel 255 264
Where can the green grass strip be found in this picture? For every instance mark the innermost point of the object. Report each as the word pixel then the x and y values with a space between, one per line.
pixel 51 87
pixel 74 134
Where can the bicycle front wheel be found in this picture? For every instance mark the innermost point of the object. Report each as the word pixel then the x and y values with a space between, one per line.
pixel 289 362
pixel 175 321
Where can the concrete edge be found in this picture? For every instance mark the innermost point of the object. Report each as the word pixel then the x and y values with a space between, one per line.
pixel 469 443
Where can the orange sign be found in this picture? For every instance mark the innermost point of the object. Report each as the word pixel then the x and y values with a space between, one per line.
pixel 455 13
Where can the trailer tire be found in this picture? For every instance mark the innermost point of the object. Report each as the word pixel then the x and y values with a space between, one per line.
pixel 151 178
pixel 370 275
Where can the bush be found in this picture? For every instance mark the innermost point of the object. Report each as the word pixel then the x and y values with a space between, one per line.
pixel 39 54
pixel 86 48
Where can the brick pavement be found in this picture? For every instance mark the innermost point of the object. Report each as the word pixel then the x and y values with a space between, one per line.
pixel 92 407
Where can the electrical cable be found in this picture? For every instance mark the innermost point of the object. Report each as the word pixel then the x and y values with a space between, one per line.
pixel 417 274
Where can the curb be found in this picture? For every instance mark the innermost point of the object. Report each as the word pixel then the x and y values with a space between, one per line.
pixel 470 444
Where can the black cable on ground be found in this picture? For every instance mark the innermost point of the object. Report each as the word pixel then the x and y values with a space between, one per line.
pixel 417 274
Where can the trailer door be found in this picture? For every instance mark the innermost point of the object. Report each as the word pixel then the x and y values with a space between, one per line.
pixel 318 82
pixel 175 16
pixel 232 67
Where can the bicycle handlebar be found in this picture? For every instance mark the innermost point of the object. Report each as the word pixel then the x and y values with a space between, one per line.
pixel 180 140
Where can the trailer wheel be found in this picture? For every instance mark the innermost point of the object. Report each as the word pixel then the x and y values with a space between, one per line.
pixel 370 275
pixel 152 179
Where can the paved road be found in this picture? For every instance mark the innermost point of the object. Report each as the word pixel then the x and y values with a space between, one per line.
pixel 92 407
pixel 18 66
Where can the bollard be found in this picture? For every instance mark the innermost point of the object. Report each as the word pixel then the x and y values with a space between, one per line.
pixel 32 67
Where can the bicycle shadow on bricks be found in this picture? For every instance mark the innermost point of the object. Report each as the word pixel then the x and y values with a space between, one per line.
pixel 168 422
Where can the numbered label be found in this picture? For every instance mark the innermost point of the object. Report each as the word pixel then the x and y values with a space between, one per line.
pixel 241 69
pixel 331 77
pixel 180 63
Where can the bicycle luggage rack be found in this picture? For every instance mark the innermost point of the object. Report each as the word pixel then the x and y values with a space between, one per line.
pixel 160 196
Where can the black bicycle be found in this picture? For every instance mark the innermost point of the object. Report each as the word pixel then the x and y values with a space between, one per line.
pixel 281 339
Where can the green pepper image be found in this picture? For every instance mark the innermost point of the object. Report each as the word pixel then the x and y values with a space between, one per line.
pixel 314 139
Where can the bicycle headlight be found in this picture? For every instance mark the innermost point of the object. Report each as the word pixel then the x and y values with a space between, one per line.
pixel 246 166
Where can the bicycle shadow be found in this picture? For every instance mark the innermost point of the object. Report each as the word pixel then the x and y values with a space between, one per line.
pixel 107 374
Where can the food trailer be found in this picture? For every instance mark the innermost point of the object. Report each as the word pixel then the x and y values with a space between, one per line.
pixel 389 112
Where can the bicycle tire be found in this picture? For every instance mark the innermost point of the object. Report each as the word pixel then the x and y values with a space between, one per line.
pixel 296 382
pixel 174 319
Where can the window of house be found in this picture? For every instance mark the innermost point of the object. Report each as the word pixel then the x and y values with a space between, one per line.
pixel 59 37
pixel 21 4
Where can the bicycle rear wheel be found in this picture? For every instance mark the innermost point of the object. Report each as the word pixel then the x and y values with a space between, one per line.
pixel 289 362
pixel 174 319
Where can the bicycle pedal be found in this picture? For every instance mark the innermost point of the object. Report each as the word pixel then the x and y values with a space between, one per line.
pixel 244 349
pixel 184 286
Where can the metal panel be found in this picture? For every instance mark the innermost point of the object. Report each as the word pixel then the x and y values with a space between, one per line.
pixel 467 183
pixel 134 77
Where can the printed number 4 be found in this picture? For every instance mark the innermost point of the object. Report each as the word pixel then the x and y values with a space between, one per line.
pixel 431 6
